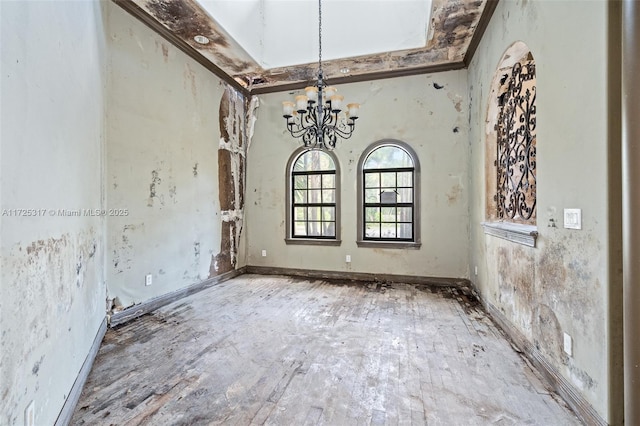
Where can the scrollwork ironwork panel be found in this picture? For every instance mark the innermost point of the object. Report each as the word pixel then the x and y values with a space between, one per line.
pixel 516 149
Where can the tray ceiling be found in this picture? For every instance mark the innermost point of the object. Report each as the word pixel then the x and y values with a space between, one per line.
pixel 257 45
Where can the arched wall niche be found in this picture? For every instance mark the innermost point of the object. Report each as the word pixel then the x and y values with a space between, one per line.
pixel 510 122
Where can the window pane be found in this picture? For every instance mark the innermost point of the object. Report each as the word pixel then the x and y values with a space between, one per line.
pixel 404 230
pixel 314 181
pixel 388 230
pixel 300 228
pixel 329 196
pixel 405 195
pixel 299 182
pixel 389 214
pixel 299 213
pixel 313 213
pixel 328 214
pixel 313 160
pixel 315 229
pixel 329 229
pixel 300 196
pixel 388 156
pixel 372 214
pixel 314 196
pixel 388 197
pixel 328 181
pixel 388 180
pixel 404 214
pixel 372 230
pixel 372 195
pixel 405 179
pixel 372 180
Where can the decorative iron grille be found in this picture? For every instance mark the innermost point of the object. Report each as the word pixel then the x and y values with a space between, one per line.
pixel 516 157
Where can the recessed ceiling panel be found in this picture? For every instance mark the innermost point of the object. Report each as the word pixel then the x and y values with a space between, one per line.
pixel 270 45
pixel 279 33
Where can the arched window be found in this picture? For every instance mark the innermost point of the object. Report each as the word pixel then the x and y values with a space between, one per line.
pixel 389 180
pixel 313 196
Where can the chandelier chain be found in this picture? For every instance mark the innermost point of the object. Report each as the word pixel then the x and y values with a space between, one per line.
pixel 320 36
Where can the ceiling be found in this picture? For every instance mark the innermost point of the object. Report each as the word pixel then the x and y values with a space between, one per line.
pixel 262 46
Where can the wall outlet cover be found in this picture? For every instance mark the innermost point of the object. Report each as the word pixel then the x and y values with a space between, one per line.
pixel 573 218
pixel 148 280
pixel 30 414
pixel 264 253
pixel 568 344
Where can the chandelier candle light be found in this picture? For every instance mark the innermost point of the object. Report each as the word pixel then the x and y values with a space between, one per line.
pixel 317 116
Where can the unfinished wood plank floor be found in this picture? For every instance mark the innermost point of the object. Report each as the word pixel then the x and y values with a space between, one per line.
pixel 282 351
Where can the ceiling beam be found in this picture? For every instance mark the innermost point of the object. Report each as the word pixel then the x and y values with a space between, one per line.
pixel 487 13
pixel 404 72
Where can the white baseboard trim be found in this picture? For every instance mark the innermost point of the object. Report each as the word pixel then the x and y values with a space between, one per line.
pixel 64 418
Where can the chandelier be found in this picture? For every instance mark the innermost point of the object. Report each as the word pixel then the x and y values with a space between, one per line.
pixel 317 116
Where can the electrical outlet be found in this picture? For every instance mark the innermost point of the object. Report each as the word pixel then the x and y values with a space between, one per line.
pixel 30 414
pixel 568 345
pixel 264 253
pixel 348 258
pixel 476 270
pixel 148 280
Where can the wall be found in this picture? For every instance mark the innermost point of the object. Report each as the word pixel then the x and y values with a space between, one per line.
pixel 52 293
pixel 563 284
pixel 428 112
pixel 166 124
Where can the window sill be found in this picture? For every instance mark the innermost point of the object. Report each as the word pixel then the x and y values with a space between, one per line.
pixel 514 232
pixel 311 242
pixel 390 244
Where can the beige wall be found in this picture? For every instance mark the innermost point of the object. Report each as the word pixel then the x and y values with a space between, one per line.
pixel 162 164
pixel 563 284
pixel 409 109
pixel 52 291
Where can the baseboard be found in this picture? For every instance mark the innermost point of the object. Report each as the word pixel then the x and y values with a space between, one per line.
pixel 554 379
pixel 64 418
pixel 358 276
pixel 150 305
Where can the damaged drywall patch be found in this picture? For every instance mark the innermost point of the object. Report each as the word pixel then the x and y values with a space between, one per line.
pixel 547 332
pixel 236 130
pixel 55 275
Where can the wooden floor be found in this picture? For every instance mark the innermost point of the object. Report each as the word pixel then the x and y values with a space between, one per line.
pixel 282 351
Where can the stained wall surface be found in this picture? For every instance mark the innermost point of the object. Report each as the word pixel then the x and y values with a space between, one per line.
pixel 167 121
pixel 429 113
pixel 52 292
pixel 562 285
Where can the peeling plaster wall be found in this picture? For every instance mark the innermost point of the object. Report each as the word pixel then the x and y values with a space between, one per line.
pixel 168 172
pixel 52 292
pixel 563 284
pixel 428 112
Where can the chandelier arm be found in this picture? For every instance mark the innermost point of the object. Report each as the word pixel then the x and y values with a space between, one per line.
pixel 344 134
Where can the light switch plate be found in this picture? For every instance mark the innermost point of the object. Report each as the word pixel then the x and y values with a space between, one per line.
pixel 573 218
